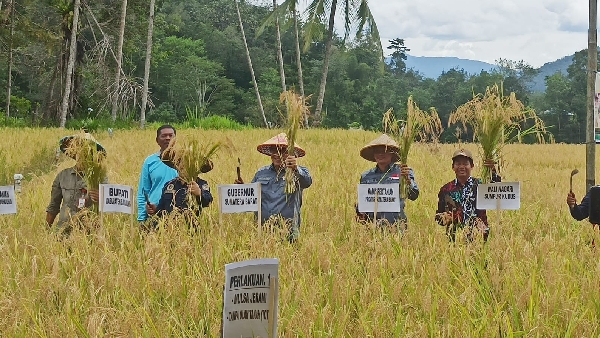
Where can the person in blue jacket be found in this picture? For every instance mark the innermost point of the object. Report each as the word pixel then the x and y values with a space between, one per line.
pixel 275 203
pixel 155 174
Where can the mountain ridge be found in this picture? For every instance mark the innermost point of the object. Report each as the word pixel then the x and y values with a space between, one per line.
pixel 433 66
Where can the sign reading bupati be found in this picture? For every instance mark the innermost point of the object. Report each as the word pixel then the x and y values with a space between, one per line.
pixel 235 198
pixel 379 197
pixel 116 198
pixel 8 201
pixel 505 196
pixel 250 299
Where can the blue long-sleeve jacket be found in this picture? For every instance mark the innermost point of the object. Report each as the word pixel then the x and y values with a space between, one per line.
pixel 273 198
pixel 391 176
pixel 155 174
pixel 582 211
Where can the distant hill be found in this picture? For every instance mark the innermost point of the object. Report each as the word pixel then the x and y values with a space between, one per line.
pixel 550 68
pixel 432 67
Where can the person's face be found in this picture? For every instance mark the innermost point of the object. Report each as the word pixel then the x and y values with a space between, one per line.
pixel 278 155
pixel 462 167
pixel 382 157
pixel 165 137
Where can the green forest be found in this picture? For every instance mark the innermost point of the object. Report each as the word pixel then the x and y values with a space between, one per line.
pixel 70 63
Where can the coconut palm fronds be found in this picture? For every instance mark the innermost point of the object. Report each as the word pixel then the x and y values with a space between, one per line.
pixel 296 110
pixel 497 120
pixel 419 125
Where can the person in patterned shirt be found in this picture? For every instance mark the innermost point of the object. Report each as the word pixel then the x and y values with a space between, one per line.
pixel 456 199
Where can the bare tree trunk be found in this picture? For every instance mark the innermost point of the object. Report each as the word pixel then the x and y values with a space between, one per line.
pixel 115 101
pixel 10 56
pixel 147 66
pixel 262 111
pixel 70 65
pixel 279 53
pixel 317 120
pixel 299 63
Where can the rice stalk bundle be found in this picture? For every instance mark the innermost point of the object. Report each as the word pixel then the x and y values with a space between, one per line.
pixel 296 110
pixel 190 158
pixel 418 125
pixel 497 120
pixel 90 161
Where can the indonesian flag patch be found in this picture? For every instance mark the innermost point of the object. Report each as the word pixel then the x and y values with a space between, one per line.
pixel 395 176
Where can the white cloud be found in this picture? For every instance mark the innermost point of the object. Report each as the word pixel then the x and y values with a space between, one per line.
pixel 536 31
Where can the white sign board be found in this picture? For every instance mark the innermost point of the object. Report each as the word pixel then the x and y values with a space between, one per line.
pixel 504 196
pixel 116 198
pixel 235 198
pixel 379 197
pixel 8 201
pixel 250 299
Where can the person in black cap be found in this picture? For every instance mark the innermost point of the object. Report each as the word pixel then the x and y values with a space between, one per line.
pixel 456 199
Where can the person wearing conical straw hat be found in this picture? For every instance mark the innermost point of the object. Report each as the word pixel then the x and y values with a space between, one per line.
pixel 70 193
pixel 456 199
pixel 384 152
pixel 275 202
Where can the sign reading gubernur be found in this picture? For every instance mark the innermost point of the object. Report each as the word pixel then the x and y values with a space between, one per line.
pixel 8 201
pixel 116 198
pixel 250 299
pixel 236 198
pixel 503 196
pixel 378 197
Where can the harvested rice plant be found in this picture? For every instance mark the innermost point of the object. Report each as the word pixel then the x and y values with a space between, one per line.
pixel 536 277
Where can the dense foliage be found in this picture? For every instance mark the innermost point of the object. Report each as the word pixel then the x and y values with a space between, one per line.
pixel 199 65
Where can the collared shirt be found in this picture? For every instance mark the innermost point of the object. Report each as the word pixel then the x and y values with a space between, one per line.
pixel 174 195
pixel 155 174
pixel 450 197
pixel 274 201
pixel 68 187
pixel 390 176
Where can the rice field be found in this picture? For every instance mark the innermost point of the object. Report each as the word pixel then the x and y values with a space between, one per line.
pixel 536 277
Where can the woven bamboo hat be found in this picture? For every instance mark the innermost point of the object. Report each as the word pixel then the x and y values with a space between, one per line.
pixel 383 141
pixel 65 142
pixel 275 145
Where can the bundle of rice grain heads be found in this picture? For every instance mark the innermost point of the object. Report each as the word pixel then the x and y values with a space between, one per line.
pixel 419 125
pixel 190 158
pixel 91 161
pixel 296 110
pixel 496 120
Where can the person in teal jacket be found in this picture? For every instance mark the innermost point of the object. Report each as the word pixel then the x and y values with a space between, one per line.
pixel 155 174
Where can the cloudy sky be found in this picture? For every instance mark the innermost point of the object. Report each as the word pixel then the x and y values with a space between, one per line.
pixel 536 31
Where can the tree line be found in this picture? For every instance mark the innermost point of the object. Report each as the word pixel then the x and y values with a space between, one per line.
pixel 137 61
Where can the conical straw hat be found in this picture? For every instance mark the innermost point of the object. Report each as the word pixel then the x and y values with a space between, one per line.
pixel 269 147
pixel 368 151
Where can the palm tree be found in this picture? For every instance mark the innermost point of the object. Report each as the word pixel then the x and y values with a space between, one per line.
pixel 279 53
pixel 71 65
pixel 147 65
pixel 353 11
pixel 260 105
pixel 115 102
